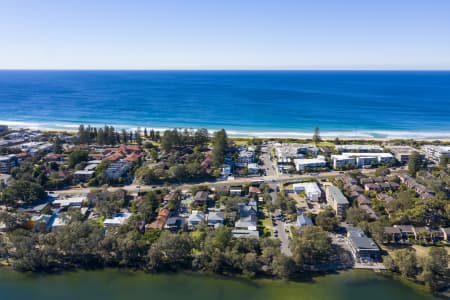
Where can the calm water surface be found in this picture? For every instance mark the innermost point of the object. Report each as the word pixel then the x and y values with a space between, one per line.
pixel 112 285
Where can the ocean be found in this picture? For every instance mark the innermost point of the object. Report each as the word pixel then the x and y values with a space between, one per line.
pixel 362 104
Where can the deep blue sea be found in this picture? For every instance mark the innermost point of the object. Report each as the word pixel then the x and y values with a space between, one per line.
pixel 269 103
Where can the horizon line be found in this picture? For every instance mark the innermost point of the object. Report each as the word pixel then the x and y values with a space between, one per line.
pixel 225 69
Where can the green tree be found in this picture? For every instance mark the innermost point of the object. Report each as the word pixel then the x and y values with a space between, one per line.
pixel 316 136
pixel 414 163
pixel 311 246
pixel 443 162
pixel 138 137
pixel 57 146
pixel 170 252
pixel 78 156
pixel 25 191
pixel 404 261
pixel 327 219
pixel 220 146
pixel 434 269
pixel 201 138
pixel 356 215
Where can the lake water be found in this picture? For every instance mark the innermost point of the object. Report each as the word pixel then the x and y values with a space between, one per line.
pixel 115 285
pixel 270 103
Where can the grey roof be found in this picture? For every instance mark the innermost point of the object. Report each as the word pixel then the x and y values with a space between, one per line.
pixel 249 221
pixel 201 196
pixel 216 216
pixel 245 233
pixel 303 220
pixel 174 221
pixel 363 243
pixel 337 195
pixel 359 240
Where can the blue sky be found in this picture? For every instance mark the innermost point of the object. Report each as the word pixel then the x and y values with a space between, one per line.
pixel 225 34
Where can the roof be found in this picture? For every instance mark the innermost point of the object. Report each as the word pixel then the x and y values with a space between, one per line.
pixel 70 201
pixel 196 216
pixel 392 230
pixel 238 233
pixel 216 216
pixel 254 189
pixel 337 195
pixel 201 196
pixel 133 157
pixel 359 240
pixel 309 187
pixel 405 228
pixel 303 220
pixel 117 219
pixel 248 221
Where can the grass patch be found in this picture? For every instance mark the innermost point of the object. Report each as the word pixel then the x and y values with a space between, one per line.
pixel 325 144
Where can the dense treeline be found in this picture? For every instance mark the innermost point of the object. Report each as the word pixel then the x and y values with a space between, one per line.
pixel 174 138
pixel 86 244
pixel 108 135
pixel 431 270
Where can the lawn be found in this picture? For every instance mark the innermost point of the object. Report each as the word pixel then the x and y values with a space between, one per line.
pixel 325 144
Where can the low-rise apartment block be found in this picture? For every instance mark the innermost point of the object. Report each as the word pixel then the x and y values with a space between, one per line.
pixel 301 164
pixel 336 200
pixel 402 153
pixel 435 153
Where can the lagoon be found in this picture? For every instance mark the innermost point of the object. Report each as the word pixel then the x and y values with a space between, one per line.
pixel 114 284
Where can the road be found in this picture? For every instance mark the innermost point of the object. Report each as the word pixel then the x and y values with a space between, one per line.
pixel 277 179
pixel 283 236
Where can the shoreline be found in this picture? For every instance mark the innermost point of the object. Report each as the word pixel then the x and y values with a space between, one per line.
pixel 344 135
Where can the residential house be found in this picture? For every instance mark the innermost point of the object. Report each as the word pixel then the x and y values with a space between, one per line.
pixel 197 217
pixel 201 198
pixel 303 220
pixel 160 221
pixel 77 201
pixel 236 191
pixel 82 176
pixel 406 230
pixel 174 224
pixel 215 217
pixel 117 219
pixel 392 234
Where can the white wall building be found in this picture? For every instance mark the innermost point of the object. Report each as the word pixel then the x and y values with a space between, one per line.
pixel 434 153
pixel 358 148
pixel 301 164
pixel 341 160
pixel 311 189
pixel 364 159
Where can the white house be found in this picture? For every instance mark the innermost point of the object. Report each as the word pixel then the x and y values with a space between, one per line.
pixel 117 219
